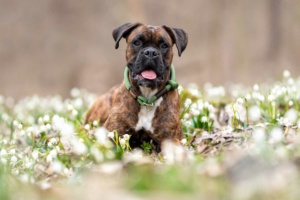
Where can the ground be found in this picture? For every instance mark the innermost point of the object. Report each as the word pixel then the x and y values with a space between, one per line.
pixel 240 143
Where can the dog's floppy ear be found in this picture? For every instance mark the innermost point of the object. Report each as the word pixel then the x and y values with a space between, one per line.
pixel 123 31
pixel 179 37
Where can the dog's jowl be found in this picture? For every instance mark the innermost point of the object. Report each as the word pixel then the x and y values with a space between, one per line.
pixel 146 104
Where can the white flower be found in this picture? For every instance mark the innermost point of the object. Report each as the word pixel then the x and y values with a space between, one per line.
pixel 183 141
pixel 240 100
pixel 12 151
pixel 35 155
pixel 204 119
pixel 13 159
pixel 195 112
pixel 49 158
pixel 46 118
pixel 291 115
pixel 122 142
pixel 187 103
pixel 172 153
pixel 3 153
pixel 256 87
pixel 95 123
pixel 291 103
pixel 53 153
pixel 276 135
pixel 20 126
pixel 87 127
pixel 126 137
pixel 111 135
pixel 3 161
pixel 98 155
pixel 259 134
pixel 53 140
pixel 57 166
pixel 271 98
pixel 79 147
pixel 74 113
pixel 254 113
pixel 70 107
pixel 286 74
pixel 75 92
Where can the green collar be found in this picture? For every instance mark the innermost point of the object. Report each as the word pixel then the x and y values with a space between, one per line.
pixel 171 85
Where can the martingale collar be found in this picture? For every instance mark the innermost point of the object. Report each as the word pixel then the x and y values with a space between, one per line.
pixel 171 85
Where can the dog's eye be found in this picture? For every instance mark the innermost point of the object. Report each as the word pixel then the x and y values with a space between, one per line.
pixel 137 43
pixel 164 46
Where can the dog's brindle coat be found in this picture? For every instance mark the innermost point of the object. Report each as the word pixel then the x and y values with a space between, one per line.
pixel 149 47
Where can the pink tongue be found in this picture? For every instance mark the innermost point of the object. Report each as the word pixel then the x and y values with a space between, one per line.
pixel 149 74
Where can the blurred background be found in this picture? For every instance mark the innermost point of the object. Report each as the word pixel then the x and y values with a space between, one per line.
pixel 48 47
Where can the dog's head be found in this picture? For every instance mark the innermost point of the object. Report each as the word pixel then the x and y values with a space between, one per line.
pixel 149 51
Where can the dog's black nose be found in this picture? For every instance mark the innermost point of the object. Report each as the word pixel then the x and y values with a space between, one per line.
pixel 151 53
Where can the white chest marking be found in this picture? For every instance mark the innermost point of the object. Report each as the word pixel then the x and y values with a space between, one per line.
pixel 145 116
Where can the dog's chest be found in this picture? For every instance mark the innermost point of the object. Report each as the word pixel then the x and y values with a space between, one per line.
pixel 146 114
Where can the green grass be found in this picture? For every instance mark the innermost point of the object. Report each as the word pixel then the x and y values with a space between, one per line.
pixel 240 143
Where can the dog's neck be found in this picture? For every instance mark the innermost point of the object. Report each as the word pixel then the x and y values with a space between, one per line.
pixel 147 92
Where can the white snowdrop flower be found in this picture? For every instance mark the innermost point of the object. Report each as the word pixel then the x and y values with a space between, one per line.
pixel 290 81
pixel 75 92
pixel 13 159
pixel 256 87
pixel 291 115
pixel 98 155
pixel 12 151
pixel 204 119
pixel 254 113
pixel 35 155
pixel 271 98
pixel 46 118
pixel 276 135
pixel 187 103
pixel 95 123
pixel 291 103
pixel 183 141
pixel 206 104
pixel 78 147
pixel 186 116
pixel 40 120
pixel 179 89
pixel 211 108
pixel 195 112
pixel 5 141
pixel 200 105
pixel 87 127
pixel 261 98
pixel 24 178
pixel 53 140
pixel 74 113
pixel 28 164
pixel 70 107
pixel 43 128
pixel 122 142
pixel 22 132
pixel 286 74
pixel 111 135
pixel 240 100
pixel 110 155
pixel 53 153
pixel 273 103
pixel 248 97
pixel 20 126
pixel 259 134
pixel 3 161
pixel 187 123
pixel 126 137
pixel 48 126
pixel 49 158
pixel 102 137
pixel 30 119
pixel 20 155
pixel 3 152
pixel 78 103
pixel 57 166
pixel 15 123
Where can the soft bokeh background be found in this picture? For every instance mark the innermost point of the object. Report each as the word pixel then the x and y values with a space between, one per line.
pixel 48 47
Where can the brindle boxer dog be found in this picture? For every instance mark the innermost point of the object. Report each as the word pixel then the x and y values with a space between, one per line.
pixel 146 104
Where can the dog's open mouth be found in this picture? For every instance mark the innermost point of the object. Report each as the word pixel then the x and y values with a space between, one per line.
pixel 148 74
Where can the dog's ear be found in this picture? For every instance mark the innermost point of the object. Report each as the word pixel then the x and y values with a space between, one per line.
pixel 179 37
pixel 123 31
